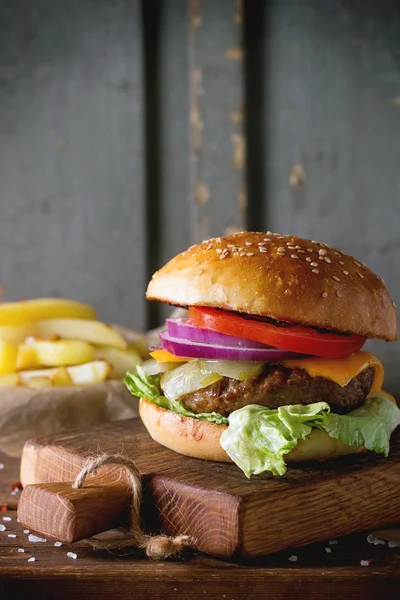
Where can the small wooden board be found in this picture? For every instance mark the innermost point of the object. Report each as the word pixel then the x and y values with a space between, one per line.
pixel 224 512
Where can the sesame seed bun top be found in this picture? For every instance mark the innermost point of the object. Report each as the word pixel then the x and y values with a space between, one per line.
pixel 282 277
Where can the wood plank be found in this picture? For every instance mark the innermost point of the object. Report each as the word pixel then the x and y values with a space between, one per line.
pixel 217 152
pixel 213 503
pixel 71 154
pixel 329 82
pixel 315 574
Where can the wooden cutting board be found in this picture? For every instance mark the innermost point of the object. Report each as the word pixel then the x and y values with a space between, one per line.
pixel 227 514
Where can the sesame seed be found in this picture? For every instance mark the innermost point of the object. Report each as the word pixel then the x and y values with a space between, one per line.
pixel 345 272
pixel 200 272
pixel 300 251
pixel 357 263
pixel 240 249
pixel 341 262
pixel 235 254
pixel 324 294
pixel 335 278
pixel 308 259
pixel 338 294
pixel 293 558
pixel 230 246
pixel 310 250
pixel 250 254
pixel 314 264
pixel 314 271
pixel 218 250
pixel 394 304
pixel 249 243
pixel 209 247
pixel 321 252
pixel 242 254
pixel 269 233
pixel 280 237
pixel 262 250
pixel 281 249
pixel 294 256
pixel 360 274
pixel 261 244
pixel 291 246
pixel 297 247
pixel 287 292
pixel 326 259
pixel 218 240
pixel 222 256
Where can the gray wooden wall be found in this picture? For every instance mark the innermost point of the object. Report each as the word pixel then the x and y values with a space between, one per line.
pixel 129 129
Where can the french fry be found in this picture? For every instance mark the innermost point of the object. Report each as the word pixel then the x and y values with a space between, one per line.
pixel 10 379
pixel 92 372
pixel 55 354
pixel 8 356
pixel 27 311
pixel 26 358
pixel 94 332
pixel 39 382
pixel 88 373
pixel 61 377
pixel 120 360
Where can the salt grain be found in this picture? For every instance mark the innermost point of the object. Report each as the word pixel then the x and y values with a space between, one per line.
pixel 72 555
pixel 333 542
pixel 35 538
pixel 2 527
pixel 328 550
pixel 11 535
pixel 293 558
pixel 6 518
pixel 26 530
pixel 371 539
pixel 393 544
pixel 364 563
pixel 21 550
pixel 31 559
pixel 57 544
pixel 1 466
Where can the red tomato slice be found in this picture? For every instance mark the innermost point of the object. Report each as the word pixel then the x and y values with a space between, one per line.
pixel 295 338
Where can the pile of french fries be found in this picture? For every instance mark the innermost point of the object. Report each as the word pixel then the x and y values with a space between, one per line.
pixel 56 342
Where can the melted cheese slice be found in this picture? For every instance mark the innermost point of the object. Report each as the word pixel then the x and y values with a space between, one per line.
pixel 341 370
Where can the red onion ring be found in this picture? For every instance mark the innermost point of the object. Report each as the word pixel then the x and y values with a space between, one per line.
pixel 182 329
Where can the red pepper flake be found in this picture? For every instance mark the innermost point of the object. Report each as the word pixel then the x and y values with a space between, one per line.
pixel 16 485
pixel 4 508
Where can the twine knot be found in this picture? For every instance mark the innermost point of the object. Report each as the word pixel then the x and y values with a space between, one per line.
pixel 157 547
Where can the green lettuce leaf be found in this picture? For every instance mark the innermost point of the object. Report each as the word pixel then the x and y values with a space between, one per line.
pixel 148 386
pixel 370 425
pixel 258 438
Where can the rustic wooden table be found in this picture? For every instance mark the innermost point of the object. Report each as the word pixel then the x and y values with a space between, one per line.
pixel 348 567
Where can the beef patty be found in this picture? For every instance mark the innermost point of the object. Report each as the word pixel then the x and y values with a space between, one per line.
pixel 279 386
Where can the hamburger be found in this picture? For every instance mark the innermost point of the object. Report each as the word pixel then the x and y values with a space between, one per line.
pixel 268 368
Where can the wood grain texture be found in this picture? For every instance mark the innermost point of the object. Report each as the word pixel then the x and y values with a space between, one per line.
pixel 217 148
pixel 213 502
pixel 328 74
pixel 315 574
pixel 71 154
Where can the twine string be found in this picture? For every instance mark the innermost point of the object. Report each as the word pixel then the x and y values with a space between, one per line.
pixel 157 547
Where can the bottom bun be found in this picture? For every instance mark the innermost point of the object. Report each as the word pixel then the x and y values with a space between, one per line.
pixel 200 439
